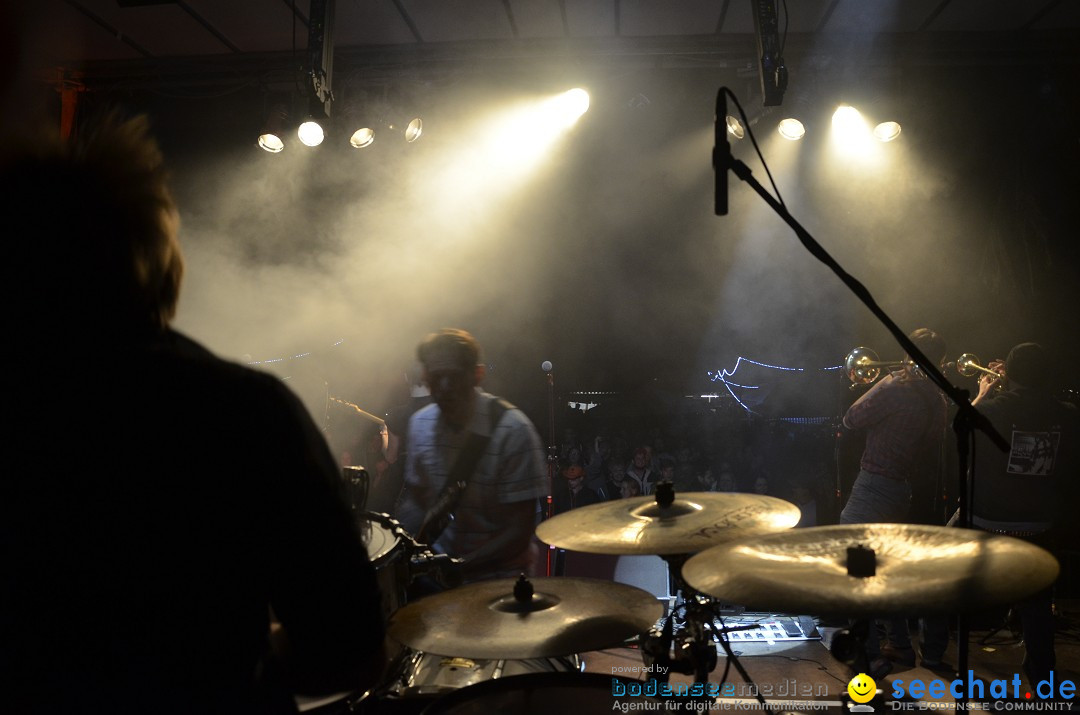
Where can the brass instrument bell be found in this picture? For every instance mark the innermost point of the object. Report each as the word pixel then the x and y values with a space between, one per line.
pixel 862 366
pixel 968 366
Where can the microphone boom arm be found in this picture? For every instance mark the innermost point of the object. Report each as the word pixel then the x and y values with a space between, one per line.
pixel 958 396
pixel 967 417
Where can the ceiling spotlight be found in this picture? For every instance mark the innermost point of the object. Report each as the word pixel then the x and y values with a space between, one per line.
pixel 566 108
pixel 365 136
pixel 271 142
pixel 848 119
pixel 270 138
pixel 791 129
pixel 887 131
pixel 414 129
pixel 576 102
pixel 735 127
pixel 311 133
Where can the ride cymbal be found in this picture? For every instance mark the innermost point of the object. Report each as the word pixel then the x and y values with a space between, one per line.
pixel 692 522
pixel 512 620
pixel 916 570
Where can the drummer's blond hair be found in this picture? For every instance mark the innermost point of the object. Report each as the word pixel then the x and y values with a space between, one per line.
pixel 102 241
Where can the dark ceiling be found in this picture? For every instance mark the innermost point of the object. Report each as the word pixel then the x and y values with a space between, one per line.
pixel 990 212
pixel 101 37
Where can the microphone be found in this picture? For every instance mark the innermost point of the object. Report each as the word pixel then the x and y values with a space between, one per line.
pixel 721 153
pixel 546 366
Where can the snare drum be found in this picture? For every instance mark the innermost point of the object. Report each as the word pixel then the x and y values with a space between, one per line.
pixel 388 550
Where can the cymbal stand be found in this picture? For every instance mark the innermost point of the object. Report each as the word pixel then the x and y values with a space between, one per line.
pixel 695 650
pixel 733 660
pixel 849 647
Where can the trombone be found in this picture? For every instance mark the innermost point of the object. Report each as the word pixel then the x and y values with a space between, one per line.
pixel 862 366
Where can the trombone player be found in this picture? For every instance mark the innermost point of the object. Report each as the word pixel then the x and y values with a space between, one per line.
pixel 904 417
pixel 1030 492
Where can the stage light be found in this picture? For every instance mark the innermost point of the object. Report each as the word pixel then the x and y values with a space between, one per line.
pixel 271 142
pixel 887 131
pixel 414 129
pixel 273 129
pixel 311 133
pixel 851 135
pixel 359 118
pixel 791 129
pixel 365 136
pixel 848 119
pixel 570 105
pixel 735 127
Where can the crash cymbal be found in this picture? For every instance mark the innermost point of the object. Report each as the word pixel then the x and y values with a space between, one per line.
pixel 917 570
pixel 500 619
pixel 692 522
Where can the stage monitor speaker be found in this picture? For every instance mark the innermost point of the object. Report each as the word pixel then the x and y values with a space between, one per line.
pixel 647 572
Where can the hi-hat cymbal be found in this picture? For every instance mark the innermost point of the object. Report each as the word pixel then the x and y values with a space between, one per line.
pixel 918 570
pixel 692 522
pixel 492 620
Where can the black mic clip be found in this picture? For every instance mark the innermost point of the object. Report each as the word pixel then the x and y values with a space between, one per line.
pixel 444 570
pixel 721 157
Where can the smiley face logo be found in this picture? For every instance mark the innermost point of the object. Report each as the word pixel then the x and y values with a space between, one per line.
pixel 862 688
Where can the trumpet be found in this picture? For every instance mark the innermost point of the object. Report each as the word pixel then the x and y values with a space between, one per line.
pixel 862 366
pixel 968 366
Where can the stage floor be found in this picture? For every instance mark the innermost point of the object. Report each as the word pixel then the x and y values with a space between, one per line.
pixel 805 670
pixel 794 675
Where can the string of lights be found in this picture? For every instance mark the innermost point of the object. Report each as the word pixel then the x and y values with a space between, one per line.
pixel 722 376
pixel 298 356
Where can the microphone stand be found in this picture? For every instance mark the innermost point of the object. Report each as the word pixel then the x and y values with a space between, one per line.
pixel 967 419
pixel 552 467
pixel 838 431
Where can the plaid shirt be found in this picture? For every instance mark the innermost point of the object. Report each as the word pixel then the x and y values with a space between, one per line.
pixel 904 418
pixel 512 469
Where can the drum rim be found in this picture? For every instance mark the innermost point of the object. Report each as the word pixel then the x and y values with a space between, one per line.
pixel 523 681
pixel 390 526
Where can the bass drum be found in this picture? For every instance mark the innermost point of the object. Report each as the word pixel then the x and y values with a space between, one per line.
pixel 422 678
pixel 427 674
pixel 545 693
pixel 337 704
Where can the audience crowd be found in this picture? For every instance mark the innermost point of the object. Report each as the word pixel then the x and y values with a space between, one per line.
pixel 606 459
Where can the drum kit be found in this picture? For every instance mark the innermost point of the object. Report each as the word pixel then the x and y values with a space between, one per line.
pixel 514 645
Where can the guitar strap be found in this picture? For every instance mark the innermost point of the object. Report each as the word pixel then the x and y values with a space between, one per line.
pixel 441 512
